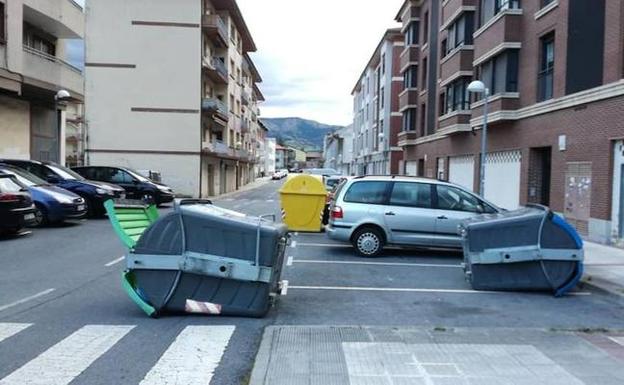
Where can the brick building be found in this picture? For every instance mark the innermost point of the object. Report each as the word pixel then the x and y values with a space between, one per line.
pixel 376 117
pixel 555 72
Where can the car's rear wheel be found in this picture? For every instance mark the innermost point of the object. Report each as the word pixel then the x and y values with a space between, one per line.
pixel 41 216
pixel 368 242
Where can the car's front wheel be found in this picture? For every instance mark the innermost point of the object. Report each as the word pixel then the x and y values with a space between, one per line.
pixel 368 242
pixel 41 216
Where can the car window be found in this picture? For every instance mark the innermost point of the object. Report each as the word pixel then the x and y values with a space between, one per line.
pixel 119 176
pixel 367 192
pixel 86 172
pixel 65 172
pixel 411 194
pixel 9 185
pixel 24 177
pixel 452 198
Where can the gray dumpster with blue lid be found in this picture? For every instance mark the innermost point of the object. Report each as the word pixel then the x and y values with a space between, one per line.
pixel 206 260
pixel 530 249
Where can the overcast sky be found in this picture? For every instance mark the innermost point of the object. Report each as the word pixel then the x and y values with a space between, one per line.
pixel 310 53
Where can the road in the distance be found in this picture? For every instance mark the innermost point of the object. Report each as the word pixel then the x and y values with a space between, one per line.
pixel 58 281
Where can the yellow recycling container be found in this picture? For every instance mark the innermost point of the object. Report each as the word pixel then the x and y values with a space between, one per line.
pixel 303 201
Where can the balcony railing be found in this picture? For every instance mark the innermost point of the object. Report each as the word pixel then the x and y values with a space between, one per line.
pixel 244 126
pixel 215 105
pixel 217 147
pixel 216 27
pixel 216 69
pixel 246 97
pixel 53 70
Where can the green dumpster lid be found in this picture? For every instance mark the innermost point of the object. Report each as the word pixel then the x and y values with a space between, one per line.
pixel 304 185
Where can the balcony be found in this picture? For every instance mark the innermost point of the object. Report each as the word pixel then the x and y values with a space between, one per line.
pixel 407 136
pixel 409 56
pixel 246 97
pixel 43 70
pixel 217 147
pixel 504 30
pixel 457 61
pixel 408 99
pixel 61 18
pixel 452 7
pixel 215 106
pixel 215 69
pixel 244 126
pixel 215 28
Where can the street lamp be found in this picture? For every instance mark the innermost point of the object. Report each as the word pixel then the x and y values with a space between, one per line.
pixel 60 96
pixel 477 87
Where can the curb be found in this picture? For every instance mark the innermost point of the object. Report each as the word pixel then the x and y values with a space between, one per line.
pixel 255 184
pixel 602 285
pixel 263 357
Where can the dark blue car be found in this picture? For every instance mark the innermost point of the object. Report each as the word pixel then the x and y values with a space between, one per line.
pixel 53 204
pixel 94 193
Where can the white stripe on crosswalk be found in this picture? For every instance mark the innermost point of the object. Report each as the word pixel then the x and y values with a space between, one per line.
pixel 64 361
pixel 192 358
pixel 10 329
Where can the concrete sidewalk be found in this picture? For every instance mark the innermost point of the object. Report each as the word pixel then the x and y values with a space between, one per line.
pixel 604 267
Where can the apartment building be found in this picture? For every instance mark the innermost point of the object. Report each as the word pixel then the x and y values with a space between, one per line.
pixel 33 69
pixel 171 87
pixel 554 70
pixel 269 158
pixel 376 116
pixel 338 150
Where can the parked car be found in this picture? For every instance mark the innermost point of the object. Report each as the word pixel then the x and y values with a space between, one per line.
pixel 371 212
pixel 280 174
pixel 17 209
pixel 94 193
pixel 136 185
pixel 52 203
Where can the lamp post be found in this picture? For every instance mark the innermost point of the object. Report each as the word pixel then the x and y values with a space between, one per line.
pixel 477 87
pixel 60 96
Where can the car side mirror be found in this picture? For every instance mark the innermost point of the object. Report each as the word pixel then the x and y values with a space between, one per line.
pixel 480 209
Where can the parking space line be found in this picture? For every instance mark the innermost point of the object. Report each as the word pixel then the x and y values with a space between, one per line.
pixel 378 263
pixel 293 244
pixel 114 262
pixel 411 290
pixel 24 300
pixel 290 261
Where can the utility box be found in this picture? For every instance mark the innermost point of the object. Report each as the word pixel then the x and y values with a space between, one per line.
pixel 530 249
pixel 303 199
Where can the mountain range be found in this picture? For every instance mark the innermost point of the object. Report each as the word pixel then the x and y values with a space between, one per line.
pixel 298 132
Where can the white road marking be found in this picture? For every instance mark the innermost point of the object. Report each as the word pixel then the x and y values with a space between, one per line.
pixel 378 263
pixel 284 288
pixel 10 329
pixel 270 200
pixel 63 362
pixel 289 261
pixel 412 290
pixel 114 262
pixel 293 244
pixel 192 358
pixel 324 245
pixel 617 340
pixel 24 300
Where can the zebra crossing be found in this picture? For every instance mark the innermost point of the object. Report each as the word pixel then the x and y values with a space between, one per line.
pixel 191 359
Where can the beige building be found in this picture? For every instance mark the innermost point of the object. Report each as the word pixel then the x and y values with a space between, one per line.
pixel 33 68
pixel 170 87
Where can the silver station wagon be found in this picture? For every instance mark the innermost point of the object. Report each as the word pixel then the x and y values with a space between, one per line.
pixel 374 211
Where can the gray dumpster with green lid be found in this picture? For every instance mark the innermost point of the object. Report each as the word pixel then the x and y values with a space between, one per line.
pixel 530 249
pixel 204 259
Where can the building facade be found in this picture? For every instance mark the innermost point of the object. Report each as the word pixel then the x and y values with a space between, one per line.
pixel 338 150
pixel 376 116
pixel 554 70
pixel 269 158
pixel 33 68
pixel 172 88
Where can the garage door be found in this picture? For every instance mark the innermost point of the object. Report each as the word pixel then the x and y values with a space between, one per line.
pixel 502 178
pixel 411 168
pixel 461 171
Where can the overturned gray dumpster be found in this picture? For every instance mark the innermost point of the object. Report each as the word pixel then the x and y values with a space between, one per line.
pixel 206 260
pixel 530 249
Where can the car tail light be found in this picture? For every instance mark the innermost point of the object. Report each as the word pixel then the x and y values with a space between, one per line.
pixel 9 197
pixel 336 212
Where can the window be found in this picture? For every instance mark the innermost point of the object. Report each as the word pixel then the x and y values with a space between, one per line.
pixel 410 77
pixel 423 118
pixel 367 192
pixel 441 169
pixel 451 198
pixel 545 77
pixel 2 26
pixel 426 29
pixel 490 8
pixel 441 104
pixel 456 95
pixel 444 47
pixel 546 2
pixel 382 98
pixel 33 38
pixel 460 32
pixel 383 64
pixel 411 35
pixel 424 73
pixel 411 194
pixel 409 120
pixel 500 74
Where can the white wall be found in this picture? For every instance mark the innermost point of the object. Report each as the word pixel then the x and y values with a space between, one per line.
pixel 14 128
pixel 167 75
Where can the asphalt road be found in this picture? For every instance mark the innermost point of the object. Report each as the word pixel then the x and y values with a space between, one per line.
pixel 56 283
